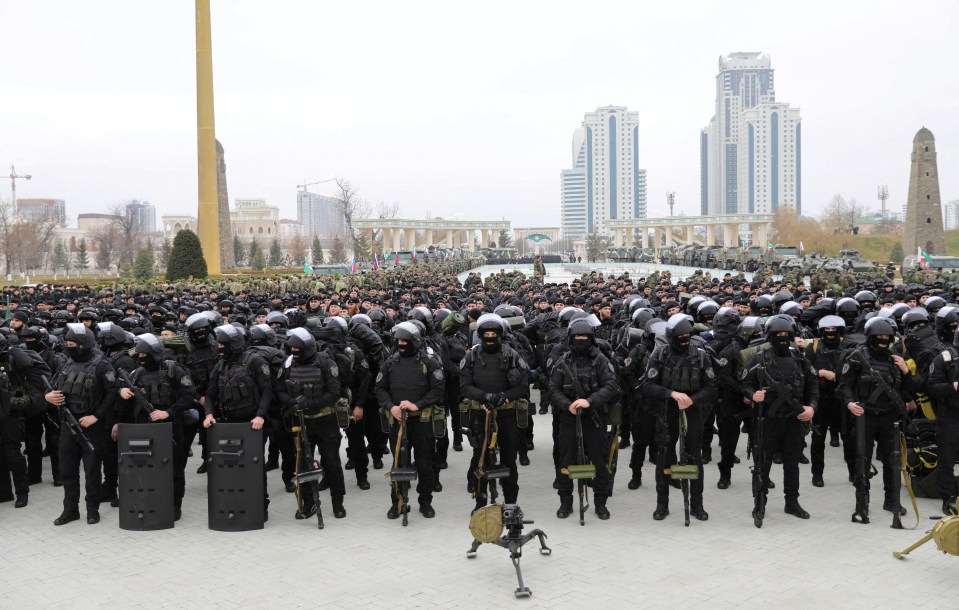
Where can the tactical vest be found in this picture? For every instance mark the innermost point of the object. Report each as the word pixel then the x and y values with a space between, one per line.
pixel 683 373
pixel 77 381
pixel 237 389
pixel 786 370
pixel 200 362
pixel 157 386
pixel 307 380
pixel 870 393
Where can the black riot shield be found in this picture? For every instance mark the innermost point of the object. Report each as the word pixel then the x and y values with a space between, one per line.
pixel 235 477
pixel 145 476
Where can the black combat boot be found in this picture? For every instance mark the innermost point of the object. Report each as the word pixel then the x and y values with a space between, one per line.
pixel 93 515
pixel 338 511
pixel 565 507
pixel 523 459
pixel 793 508
pixel 67 517
pixel 21 501
pixel 725 473
pixel 601 511
pixel 637 481
pixel 662 508
pixel 427 511
pixel 362 482
pixel 393 513
pixel 889 504
pixel 817 480
pixel 949 506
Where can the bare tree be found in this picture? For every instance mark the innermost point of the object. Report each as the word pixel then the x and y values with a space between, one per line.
pixel 107 240
pixel 297 248
pixel 125 223
pixel 352 208
pixel 840 214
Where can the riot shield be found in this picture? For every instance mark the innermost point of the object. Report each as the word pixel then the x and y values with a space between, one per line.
pixel 145 476
pixel 235 477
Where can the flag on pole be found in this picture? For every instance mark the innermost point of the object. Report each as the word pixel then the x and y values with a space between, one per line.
pixel 353 266
pixel 396 261
pixel 414 255
pixel 307 269
pixel 376 262
pixel 923 258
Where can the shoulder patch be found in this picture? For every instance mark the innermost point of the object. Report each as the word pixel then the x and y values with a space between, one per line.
pixel 438 374
pixel 710 373
pixel 110 376
pixel 185 380
pixel 627 361
pixel 288 363
pixel 652 373
pixel 265 369
pixel 522 364
pixel 379 377
pixel 845 368
pixel 463 363
pixel 334 370
pixel 722 362
pixel 947 356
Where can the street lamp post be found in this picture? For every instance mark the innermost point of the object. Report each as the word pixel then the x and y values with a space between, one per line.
pixel 13 186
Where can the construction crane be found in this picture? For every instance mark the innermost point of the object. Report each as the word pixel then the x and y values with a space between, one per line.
pixel 306 184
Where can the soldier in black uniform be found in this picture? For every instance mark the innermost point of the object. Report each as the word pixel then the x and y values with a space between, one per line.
pixel 679 377
pixel 240 388
pixel 944 389
pixel 733 403
pixel 113 342
pixel 783 380
pixel 310 382
pixel 21 391
pixel 863 396
pixel 201 357
pixel 412 381
pixel 583 378
pixel 825 353
pixel 495 378
pixel 87 386
pixel 168 387
pixel 42 427
pixel 263 340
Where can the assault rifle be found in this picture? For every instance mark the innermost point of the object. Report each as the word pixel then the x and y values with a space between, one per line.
pixel 146 404
pixel 73 426
pixel 581 470
pixel 400 475
pixel 304 474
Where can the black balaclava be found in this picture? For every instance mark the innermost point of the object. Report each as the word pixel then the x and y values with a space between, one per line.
pixel 406 350
pixel 780 343
pixel 831 336
pixel 148 361
pixel 879 344
pixel 491 345
pixel 580 345
pixel 681 342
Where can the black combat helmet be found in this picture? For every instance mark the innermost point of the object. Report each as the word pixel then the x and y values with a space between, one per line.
pixel 262 334
pixel 301 340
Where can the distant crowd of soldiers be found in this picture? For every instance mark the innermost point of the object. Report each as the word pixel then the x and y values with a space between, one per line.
pixel 414 355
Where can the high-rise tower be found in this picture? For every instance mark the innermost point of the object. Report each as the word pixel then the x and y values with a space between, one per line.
pixel 923 205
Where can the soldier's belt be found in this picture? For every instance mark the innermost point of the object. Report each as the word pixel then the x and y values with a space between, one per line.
pixel 478 406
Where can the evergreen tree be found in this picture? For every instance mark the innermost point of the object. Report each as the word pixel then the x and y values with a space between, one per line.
pixel 338 251
pixel 317 248
pixel 253 250
pixel 505 239
pixel 276 253
pixel 59 260
pixel 239 252
pixel 364 249
pixel 143 265
pixel 258 260
pixel 897 254
pixel 186 259
pixel 82 256
pixel 165 250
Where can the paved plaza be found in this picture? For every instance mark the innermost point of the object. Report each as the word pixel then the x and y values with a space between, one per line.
pixel 367 561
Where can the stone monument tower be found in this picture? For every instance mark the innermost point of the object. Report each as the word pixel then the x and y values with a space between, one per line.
pixel 923 228
pixel 223 207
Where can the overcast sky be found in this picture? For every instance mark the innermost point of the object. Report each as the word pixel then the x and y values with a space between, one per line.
pixel 456 108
